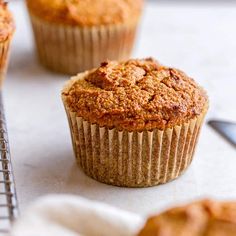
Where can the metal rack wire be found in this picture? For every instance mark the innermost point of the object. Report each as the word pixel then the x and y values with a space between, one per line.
pixel 8 199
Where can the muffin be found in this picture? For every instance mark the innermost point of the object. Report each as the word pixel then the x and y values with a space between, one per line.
pixel 134 123
pixel 204 218
pixel 76 35
pixel 6 32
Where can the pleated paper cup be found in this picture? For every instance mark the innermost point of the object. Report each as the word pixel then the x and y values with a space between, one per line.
pixel 72 49
pixel 4 54
pixel 133 159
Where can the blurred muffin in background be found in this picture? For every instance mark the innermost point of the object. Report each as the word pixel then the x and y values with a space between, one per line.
pixel 134 123
pixel 204 218
pixel 75 35
pixel 7 29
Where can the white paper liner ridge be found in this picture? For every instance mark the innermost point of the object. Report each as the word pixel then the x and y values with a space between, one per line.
pixel 133 159
pixel 4 57
pixel 71 49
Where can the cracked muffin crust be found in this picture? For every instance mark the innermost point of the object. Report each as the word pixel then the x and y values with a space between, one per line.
pixel 204 218
pixel 135 95
pixel 86 12
pixel 6 22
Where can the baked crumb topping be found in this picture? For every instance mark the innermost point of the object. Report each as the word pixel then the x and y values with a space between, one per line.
pixel 86 12
pixel 6 22
pixel 135 95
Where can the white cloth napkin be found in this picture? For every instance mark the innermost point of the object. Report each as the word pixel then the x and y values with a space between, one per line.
pixel 66 215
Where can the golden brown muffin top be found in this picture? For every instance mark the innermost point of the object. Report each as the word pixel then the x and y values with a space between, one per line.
pixel 135 95
pixel 6 22
pixel 204 218
pixel 86 12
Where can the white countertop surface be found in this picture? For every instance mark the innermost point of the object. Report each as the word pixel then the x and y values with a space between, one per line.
pixel 199 39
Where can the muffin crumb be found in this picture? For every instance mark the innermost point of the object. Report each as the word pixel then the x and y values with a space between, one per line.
pixel 87 12
pixel 6 22
pixel 136 95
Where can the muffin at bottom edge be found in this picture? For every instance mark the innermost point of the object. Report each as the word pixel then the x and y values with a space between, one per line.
pixel 206 217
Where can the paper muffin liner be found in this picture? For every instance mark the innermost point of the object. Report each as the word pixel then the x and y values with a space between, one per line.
pixel 72 49
pixel 4 54
pixel 133 159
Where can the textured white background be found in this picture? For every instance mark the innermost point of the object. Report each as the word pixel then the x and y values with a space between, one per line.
pixel 199 39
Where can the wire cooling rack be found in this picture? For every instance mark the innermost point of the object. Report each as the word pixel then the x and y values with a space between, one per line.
pixel 8 199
